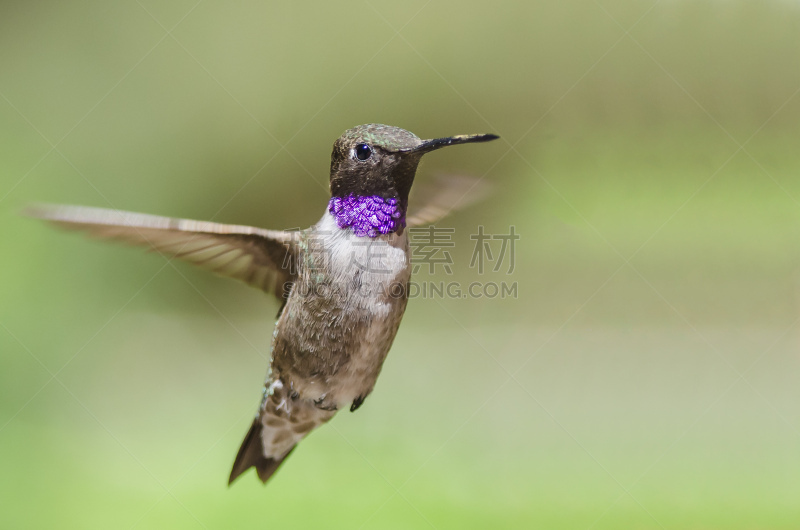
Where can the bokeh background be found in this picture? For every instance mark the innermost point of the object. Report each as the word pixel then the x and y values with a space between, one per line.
pixel 645 377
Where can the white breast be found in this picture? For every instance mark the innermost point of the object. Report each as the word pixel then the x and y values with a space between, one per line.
pixel 383 265
pixel 380 262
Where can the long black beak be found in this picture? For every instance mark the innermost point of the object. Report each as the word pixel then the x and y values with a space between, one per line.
pixel 431 145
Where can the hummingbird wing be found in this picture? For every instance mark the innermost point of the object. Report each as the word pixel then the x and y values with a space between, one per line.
pixel 262 258
pixel 446 194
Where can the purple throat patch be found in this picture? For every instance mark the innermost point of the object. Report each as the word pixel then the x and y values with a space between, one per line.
pixel 368 216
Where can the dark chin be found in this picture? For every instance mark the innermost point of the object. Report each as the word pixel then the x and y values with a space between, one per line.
pixel 396 184
pixel 403 176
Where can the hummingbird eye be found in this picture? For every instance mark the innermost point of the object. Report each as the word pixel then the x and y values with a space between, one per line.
pixel 363 151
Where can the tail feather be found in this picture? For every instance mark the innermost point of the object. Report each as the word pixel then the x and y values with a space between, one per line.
pixel 251 454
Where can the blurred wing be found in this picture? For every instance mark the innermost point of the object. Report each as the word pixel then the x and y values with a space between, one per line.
pixel 262 258
pixel 446 194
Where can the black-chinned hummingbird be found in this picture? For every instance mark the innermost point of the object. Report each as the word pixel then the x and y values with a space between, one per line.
pixel 343 283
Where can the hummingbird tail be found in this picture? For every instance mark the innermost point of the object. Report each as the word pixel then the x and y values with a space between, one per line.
pixel 251 454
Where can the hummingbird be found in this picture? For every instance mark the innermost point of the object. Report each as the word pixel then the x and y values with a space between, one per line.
pixel 342 283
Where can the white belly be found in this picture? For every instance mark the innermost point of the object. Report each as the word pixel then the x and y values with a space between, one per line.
pixel 384 268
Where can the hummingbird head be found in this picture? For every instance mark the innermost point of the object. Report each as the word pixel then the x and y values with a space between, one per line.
pixel 379 160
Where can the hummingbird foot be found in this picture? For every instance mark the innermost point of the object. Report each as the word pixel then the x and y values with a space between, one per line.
pixel 325 405
pixel 357 403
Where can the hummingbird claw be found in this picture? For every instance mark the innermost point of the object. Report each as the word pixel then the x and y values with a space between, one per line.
pixel 357 403
pixel 321 404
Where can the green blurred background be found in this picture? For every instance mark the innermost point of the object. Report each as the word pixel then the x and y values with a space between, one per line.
pixel 646 376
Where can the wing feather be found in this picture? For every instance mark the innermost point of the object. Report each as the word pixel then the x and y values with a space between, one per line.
pixel 445 195
pixel 264 259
